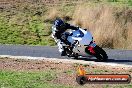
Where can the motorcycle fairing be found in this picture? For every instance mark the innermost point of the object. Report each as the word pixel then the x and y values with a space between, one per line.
pixel 84 37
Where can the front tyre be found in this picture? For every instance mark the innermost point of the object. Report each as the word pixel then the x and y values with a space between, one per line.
pixel 100 54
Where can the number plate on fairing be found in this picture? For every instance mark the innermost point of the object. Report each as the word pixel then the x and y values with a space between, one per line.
pixel 93 44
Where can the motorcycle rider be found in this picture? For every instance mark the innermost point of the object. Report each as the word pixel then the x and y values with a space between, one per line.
pixel 58 29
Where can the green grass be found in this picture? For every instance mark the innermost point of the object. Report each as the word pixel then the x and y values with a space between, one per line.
pixel 26 22
pixel 118 86
pixel 10 79
pixel 69 72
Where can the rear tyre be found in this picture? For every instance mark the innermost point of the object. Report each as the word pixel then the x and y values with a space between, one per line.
pixel 100 54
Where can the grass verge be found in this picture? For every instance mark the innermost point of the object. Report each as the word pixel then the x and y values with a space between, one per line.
pixel 13 79
pixel 16 73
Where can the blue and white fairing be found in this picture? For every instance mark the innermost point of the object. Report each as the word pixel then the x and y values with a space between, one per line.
pixel 84 37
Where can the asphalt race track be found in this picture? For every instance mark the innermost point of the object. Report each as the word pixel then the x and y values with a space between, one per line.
pixel 115 56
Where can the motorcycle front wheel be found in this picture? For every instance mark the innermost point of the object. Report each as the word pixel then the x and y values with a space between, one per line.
pixel 100 54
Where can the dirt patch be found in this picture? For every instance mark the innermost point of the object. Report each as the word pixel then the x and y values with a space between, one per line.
pixel 31 65
pixel 66 72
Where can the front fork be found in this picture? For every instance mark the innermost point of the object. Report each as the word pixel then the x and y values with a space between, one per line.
pixel 90 48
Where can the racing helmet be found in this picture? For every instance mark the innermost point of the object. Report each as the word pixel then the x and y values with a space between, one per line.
pixel 59 24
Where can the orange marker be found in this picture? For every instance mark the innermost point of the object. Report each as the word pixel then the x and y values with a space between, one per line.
pixel 81 70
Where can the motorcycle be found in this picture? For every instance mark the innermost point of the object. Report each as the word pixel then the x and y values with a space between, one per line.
pixel 83 45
